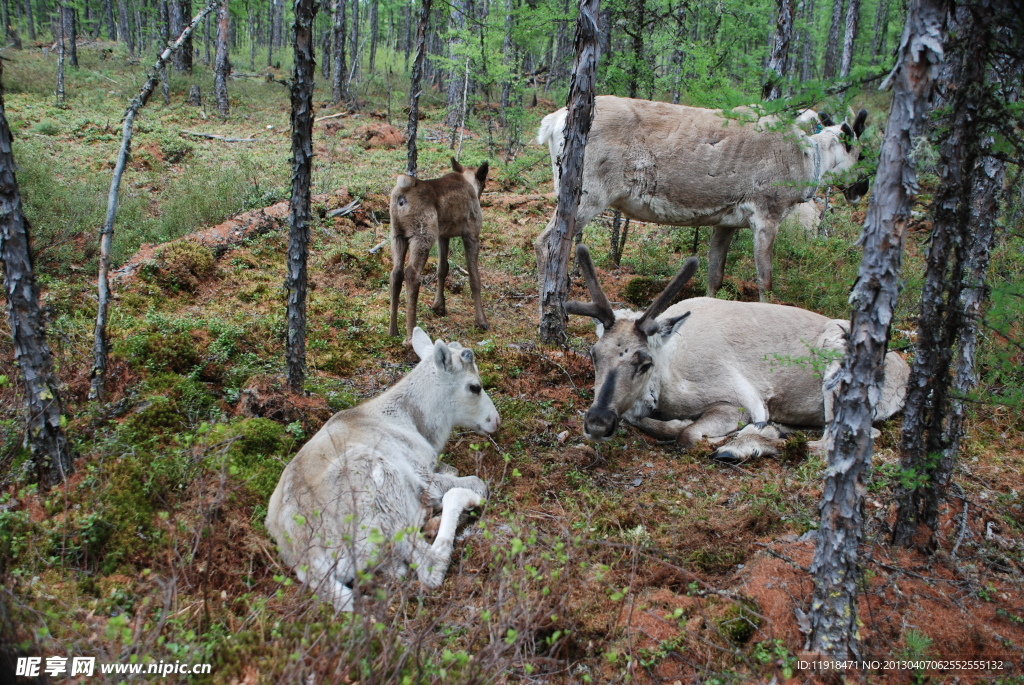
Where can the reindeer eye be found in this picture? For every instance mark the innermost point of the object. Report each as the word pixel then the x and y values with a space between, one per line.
pixel 474 388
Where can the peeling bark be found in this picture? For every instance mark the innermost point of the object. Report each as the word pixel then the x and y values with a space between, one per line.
pixel 302 168
pixel 849 37
pixel 835 565
pixel 779 63
pixel 577 128
pixel 50 452
pixel 832 46
pixel 223 64
pixel 339 90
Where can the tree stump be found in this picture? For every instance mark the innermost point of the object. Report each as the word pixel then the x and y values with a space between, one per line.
pixel 195 97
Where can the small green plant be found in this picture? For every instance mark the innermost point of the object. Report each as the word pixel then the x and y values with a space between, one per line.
pixel 775 652
pixel 917 647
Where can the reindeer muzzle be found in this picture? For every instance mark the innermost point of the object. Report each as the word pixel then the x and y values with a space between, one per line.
pixel 600 424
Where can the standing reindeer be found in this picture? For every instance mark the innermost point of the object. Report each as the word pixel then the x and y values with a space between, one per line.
pixel 428 212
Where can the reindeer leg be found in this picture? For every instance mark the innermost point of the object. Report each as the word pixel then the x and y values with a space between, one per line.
pixel 716 422
pixel 765 230
pixel 721 238
pixel 399 246
pixel 432 562
pixel 413 272
pixel 472 245
pixel 442 274
pixel 663 431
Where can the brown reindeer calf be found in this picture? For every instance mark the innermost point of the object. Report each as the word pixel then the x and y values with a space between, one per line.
pixel 425 212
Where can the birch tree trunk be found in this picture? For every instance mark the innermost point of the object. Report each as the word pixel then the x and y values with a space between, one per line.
pixel 339 73
pixel 414 87
pixel 223 66
pixel 806 41
pixel 374 30
pixel 779 61
pixel 835 565
pixel 849 37
pixel 353 72
pixel 302 169
pixel 555 283
pixel 831 48
pixel 50 452
pixel 881 29
pixel 60 55
pixel 99 368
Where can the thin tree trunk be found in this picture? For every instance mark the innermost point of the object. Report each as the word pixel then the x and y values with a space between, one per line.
pixel 207 40
pixel 508 51
pixel 71 32
pixel 186 50
pixel 52 461
pixel 779 61
pixel 414 87
pixel 831 48
pixel 302 167
pixel 374 29
pixel 124 33
pixel 108 13
pixel 252 41
pixel 577 129
pixel 636 65
pixel 806 41
pixel 5 7
pixel 60 55
pixel 31 21
pixel 849 37
pixel 339 90
pixel 223 66
pixel 99 369
pixel 835 565
pixel 455 43
pixel 354 67
pixel 881 29
pixel 679 53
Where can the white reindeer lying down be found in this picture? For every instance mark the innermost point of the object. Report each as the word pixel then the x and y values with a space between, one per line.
pixel 368 480
pixel 703 367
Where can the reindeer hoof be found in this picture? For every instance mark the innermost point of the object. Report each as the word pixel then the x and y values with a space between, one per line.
pixel 439 310
pixel 727 456
pixel 483 326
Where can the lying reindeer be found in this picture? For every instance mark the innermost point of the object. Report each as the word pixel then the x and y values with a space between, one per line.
pixel 428 212
pixel 366 478
pixel 702 367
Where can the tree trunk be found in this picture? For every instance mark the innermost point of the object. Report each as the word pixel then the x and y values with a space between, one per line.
pixel 252 41
pixel 962 238
pixel 374 29
pixel 806 41
pixel 881 29
pixel 831 48
pixel 51 457
pixel 207 41
pixel 302 168
pixel 508 50
pixel 637 65
pixel 835 565
pixel 108 13
pixel 778 61
pixel 184 53
pixel 679 53
pixel 353 73
pixel 31 20
pixel 124 33
pixel 99 369
pixel 5 8
pixel 70 25
pixel 414 87
pixel 339 90
pixel 577 129
pixel 849 37
pixel 60 55
pixel 455 50
pixel 223 66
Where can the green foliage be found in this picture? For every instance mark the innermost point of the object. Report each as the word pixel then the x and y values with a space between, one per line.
pixel 740 621
pixel 775 652
pixel 255 451
pixel 160 350
pixel 180 266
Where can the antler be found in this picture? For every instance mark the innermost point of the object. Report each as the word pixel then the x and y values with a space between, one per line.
pixel 662 302
pixel 598 309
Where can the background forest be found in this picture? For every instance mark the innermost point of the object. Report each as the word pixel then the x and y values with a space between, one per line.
pixel 624 562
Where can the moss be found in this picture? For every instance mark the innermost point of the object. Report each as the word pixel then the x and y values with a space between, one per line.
pixel 256 452
pixel 161 416
pixel 180 266
pixel 161 350
pixel 740 621
pixel 640 291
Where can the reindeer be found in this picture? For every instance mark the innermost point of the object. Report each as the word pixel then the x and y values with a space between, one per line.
pixel 703 367
pixel 688 166
pixel 359 492
pixel 428 212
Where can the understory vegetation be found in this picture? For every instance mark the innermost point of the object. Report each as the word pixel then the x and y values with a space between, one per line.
pixel 627 561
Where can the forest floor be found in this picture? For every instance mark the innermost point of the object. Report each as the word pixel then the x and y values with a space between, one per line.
pixel 627 561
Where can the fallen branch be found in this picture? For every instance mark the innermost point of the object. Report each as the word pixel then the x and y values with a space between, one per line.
pixel 331 116
pixel 343 211
pixel 213 136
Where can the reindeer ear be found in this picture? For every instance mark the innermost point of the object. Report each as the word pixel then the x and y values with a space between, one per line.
pixel 456 167
pixel 481 175
pixel 421 343
pixel 826 119
pixel 669 326
pixel 860 122
pixel 848 136
pixel 443 356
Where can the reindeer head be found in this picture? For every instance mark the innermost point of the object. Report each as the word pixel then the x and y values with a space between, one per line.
pixel 475 177
pixel 622 358
pixel 457 384
pixel 838 143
